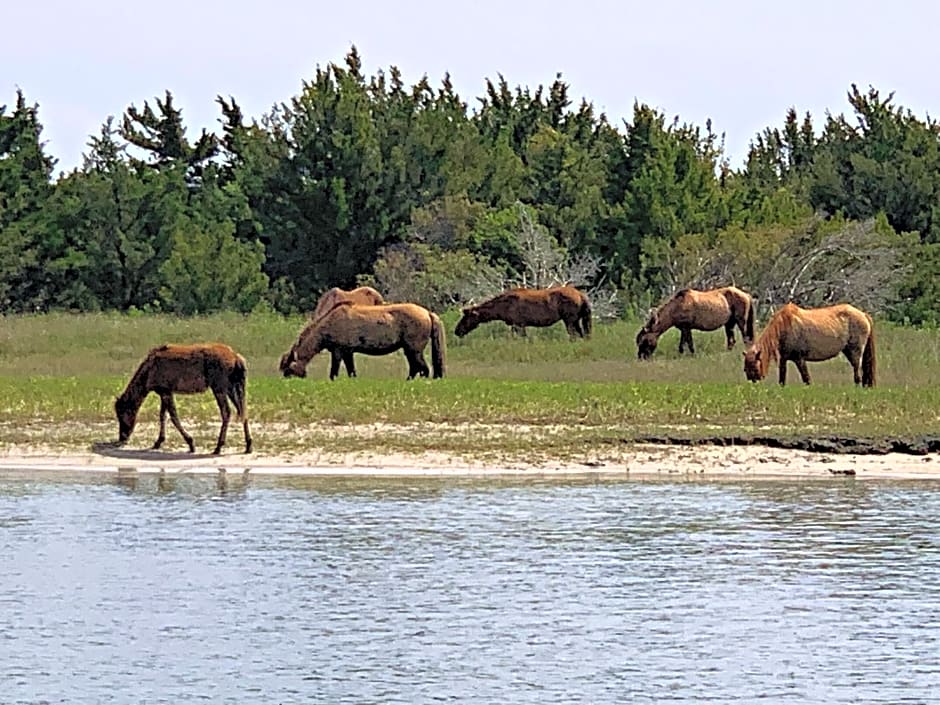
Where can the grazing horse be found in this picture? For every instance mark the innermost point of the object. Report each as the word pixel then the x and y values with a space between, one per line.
pixel 690 309
pixel 360 295
pixel 532 307
pixel 812 334
pixel 374 330
pixel 187 369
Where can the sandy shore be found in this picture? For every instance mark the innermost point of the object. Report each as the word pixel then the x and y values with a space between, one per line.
pixel 635 461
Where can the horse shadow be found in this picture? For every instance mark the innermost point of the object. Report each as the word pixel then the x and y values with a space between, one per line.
pixel 112 450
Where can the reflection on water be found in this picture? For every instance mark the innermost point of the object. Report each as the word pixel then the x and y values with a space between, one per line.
pixel 152 588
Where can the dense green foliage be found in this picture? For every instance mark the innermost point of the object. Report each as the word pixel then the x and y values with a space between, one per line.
pixel 358 178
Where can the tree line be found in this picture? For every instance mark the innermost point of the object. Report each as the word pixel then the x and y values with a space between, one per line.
pixel 360 179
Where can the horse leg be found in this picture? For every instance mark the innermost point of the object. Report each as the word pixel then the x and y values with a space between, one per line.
pixel 350 364
pixel 742 326
pixel 519 330
pixel 729 333
pixel 335 358
pixel 165 401
pixel 804 370
pixel 685 340
pixel 574 329
pixel 423 368
pixel 226 413
pixel 782 371
pixel 854 356
pixel 416 364
pixel 174 417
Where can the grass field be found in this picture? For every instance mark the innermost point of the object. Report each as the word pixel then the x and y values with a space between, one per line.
pixel 59 375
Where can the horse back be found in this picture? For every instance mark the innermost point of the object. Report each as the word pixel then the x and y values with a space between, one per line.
pixel 821 333
pixel 537 307
pixel 189 368
pixel 380 327
pixel 335 296
pixel 701 310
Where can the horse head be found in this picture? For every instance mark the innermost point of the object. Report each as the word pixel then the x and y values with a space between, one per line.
pixel 469 321
pixel 645 343
pixel 126 413
pixel 753 369
pixel 290 366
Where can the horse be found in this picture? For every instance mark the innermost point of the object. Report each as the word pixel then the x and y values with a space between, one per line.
pixel 186 369
pixel 374 330
pixel 522 307
pixel 359 295
pixel 690 309
pixel 813 334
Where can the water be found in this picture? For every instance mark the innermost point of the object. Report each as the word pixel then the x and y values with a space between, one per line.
pixel 288 590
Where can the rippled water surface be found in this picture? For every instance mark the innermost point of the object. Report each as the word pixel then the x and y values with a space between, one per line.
pixel 141 589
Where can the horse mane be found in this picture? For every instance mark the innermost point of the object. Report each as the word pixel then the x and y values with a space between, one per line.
pixel 135 391
pixel 768 343
pixel 652 323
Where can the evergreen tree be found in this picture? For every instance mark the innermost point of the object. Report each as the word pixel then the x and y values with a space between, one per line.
pixel 161 135
pixel 25 188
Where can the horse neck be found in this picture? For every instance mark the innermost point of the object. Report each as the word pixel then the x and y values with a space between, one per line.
pixel 662 319
pixel 769 345
pixel 487 311
pixel 309 343
pixel 136 391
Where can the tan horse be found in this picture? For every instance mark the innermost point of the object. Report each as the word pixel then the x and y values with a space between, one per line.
pixel 690 309
pixel 359 295
pixel 374 330
pixel 812 334
pixel 187 369
pixel 532 307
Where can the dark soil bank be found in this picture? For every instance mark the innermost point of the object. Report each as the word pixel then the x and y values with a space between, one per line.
pixel 826 444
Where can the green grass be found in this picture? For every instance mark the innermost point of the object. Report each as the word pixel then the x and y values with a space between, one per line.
pixel 59 375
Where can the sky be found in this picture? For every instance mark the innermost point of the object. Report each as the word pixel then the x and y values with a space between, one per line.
pixel 740 63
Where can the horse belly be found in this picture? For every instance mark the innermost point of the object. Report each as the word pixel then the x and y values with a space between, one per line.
pixel 186 376
pixel 821 342
pixel 532 314
pixel 709 317
pixel 377 350
pixel 190 386
pixel 824 352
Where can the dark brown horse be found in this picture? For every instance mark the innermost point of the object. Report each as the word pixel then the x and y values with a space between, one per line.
pixel 187 369
pixel 690 309
pixel 532 307
pixel 374 330
pixel 812 334
pixel 359 295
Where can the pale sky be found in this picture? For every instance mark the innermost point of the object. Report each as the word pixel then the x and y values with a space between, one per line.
pixel 742 63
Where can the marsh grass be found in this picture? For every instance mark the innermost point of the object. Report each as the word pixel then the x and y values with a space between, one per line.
pixel 59 375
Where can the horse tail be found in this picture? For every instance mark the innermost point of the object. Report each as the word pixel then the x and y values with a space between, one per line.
pixel 868 358
pixel 438 346
pixel 749 320
pixel 237 382
pixel 584 315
